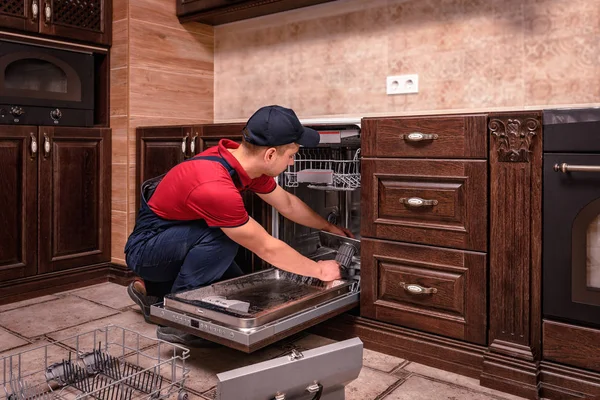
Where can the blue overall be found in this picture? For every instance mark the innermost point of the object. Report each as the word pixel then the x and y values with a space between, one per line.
pixel 188 253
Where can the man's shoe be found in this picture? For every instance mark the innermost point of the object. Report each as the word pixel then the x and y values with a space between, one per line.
pixel 137 292
pixel 174 335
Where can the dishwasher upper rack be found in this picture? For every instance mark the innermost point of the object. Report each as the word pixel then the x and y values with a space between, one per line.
pixel 106 363
pixel 320 170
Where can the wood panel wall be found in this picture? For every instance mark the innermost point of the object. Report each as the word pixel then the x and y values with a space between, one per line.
pixel 162 73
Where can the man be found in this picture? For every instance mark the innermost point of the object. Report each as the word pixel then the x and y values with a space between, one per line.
pixel 192 220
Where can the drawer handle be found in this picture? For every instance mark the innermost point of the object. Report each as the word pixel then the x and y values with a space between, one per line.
pixel 566 168
pixel 417 289
pixel 417 202
pixel 419 137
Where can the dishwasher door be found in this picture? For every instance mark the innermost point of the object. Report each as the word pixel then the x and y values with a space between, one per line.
pixel 251 339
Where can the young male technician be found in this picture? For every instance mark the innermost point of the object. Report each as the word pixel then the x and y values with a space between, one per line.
pixel 190 224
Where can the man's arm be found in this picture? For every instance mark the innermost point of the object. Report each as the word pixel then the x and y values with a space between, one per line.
pixel 254 237
pixel 296 210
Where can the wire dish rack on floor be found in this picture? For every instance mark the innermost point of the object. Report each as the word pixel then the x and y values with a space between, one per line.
pixel 110 363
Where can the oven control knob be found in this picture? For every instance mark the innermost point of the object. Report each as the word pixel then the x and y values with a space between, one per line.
pixel 17 111
pixel 55 114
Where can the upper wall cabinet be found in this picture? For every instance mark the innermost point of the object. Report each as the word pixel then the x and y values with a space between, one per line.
pixel 84 21
pixel 217 12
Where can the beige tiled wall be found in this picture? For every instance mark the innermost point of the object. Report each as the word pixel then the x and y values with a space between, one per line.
pixel 161 74
pixel 333 59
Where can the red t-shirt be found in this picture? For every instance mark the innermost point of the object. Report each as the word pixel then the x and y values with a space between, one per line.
pixel 203 189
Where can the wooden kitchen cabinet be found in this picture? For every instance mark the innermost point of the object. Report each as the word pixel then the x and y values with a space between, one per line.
pixel 85 21
pixel 74 197
pixel 440 136
pixel 18 15
pixel 55 206
pixel 427 288
pixel 216 12
pixel 437 202
pixel 18 201
pixel 158 150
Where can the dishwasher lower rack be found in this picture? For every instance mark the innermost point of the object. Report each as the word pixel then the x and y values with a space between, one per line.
pixel 106 363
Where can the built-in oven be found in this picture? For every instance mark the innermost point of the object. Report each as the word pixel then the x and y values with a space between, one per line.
pixel 255 310
pixel 571 216
pixel 43 85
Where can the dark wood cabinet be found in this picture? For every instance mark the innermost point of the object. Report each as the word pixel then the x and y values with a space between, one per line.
pixel 437 202
pixel 158 150
pixel 83 21
pixel 18 201
pixel 428 288
pixel 216 12
pixel 444 136
pixel 18 15
pixel 55 206
pixel 74 197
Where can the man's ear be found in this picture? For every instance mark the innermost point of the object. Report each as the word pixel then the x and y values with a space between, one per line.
pixel 270 154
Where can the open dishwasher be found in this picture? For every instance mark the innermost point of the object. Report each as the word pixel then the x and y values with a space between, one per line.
pixel 255 310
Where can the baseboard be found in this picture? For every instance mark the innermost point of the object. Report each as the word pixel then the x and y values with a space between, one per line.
pixel 120 275
pixel 439 352
pixel 562 382
pixel 69 279
pixel 54 282
pixel 510 374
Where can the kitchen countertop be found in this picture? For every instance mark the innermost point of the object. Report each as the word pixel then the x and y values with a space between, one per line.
pixel 354 119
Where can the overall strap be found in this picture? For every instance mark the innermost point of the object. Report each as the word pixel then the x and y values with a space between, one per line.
pixel 218 159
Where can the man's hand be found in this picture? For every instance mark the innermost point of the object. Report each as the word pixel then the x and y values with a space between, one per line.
pixel 338 230
pixel 330 270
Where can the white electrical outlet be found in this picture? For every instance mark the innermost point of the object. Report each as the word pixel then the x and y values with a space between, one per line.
pixel 403 84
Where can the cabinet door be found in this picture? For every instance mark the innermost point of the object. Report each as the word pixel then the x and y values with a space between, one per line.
pixel 209 136
pixel 158 150
pixel 437 202
pixel 74 195
pixel 20 14
pixel 88 21
pixel 432 289
pixel 19 148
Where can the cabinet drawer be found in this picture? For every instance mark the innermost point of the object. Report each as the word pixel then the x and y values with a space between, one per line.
pixel 454 194
pixel 462 136
pixel 431 289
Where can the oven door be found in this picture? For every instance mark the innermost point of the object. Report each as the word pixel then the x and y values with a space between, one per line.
pixel 571 237
pixel 45 77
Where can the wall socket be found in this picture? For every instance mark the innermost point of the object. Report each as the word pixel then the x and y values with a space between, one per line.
pixel 403 84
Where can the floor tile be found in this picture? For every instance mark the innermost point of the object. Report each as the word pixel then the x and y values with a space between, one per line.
pixel 420 388
pixel 369 385
pixel 380 361
pixel 39 319
pixel 124 323
pixel 32 361
pixel 109 294
pixel 10 341
pixel 312 341
pixel 456 379
pixel 18 304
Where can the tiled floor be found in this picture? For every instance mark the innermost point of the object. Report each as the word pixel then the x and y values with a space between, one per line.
pixel 70 313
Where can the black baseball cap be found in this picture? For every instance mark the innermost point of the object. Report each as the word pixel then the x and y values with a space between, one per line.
pixel 276 126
